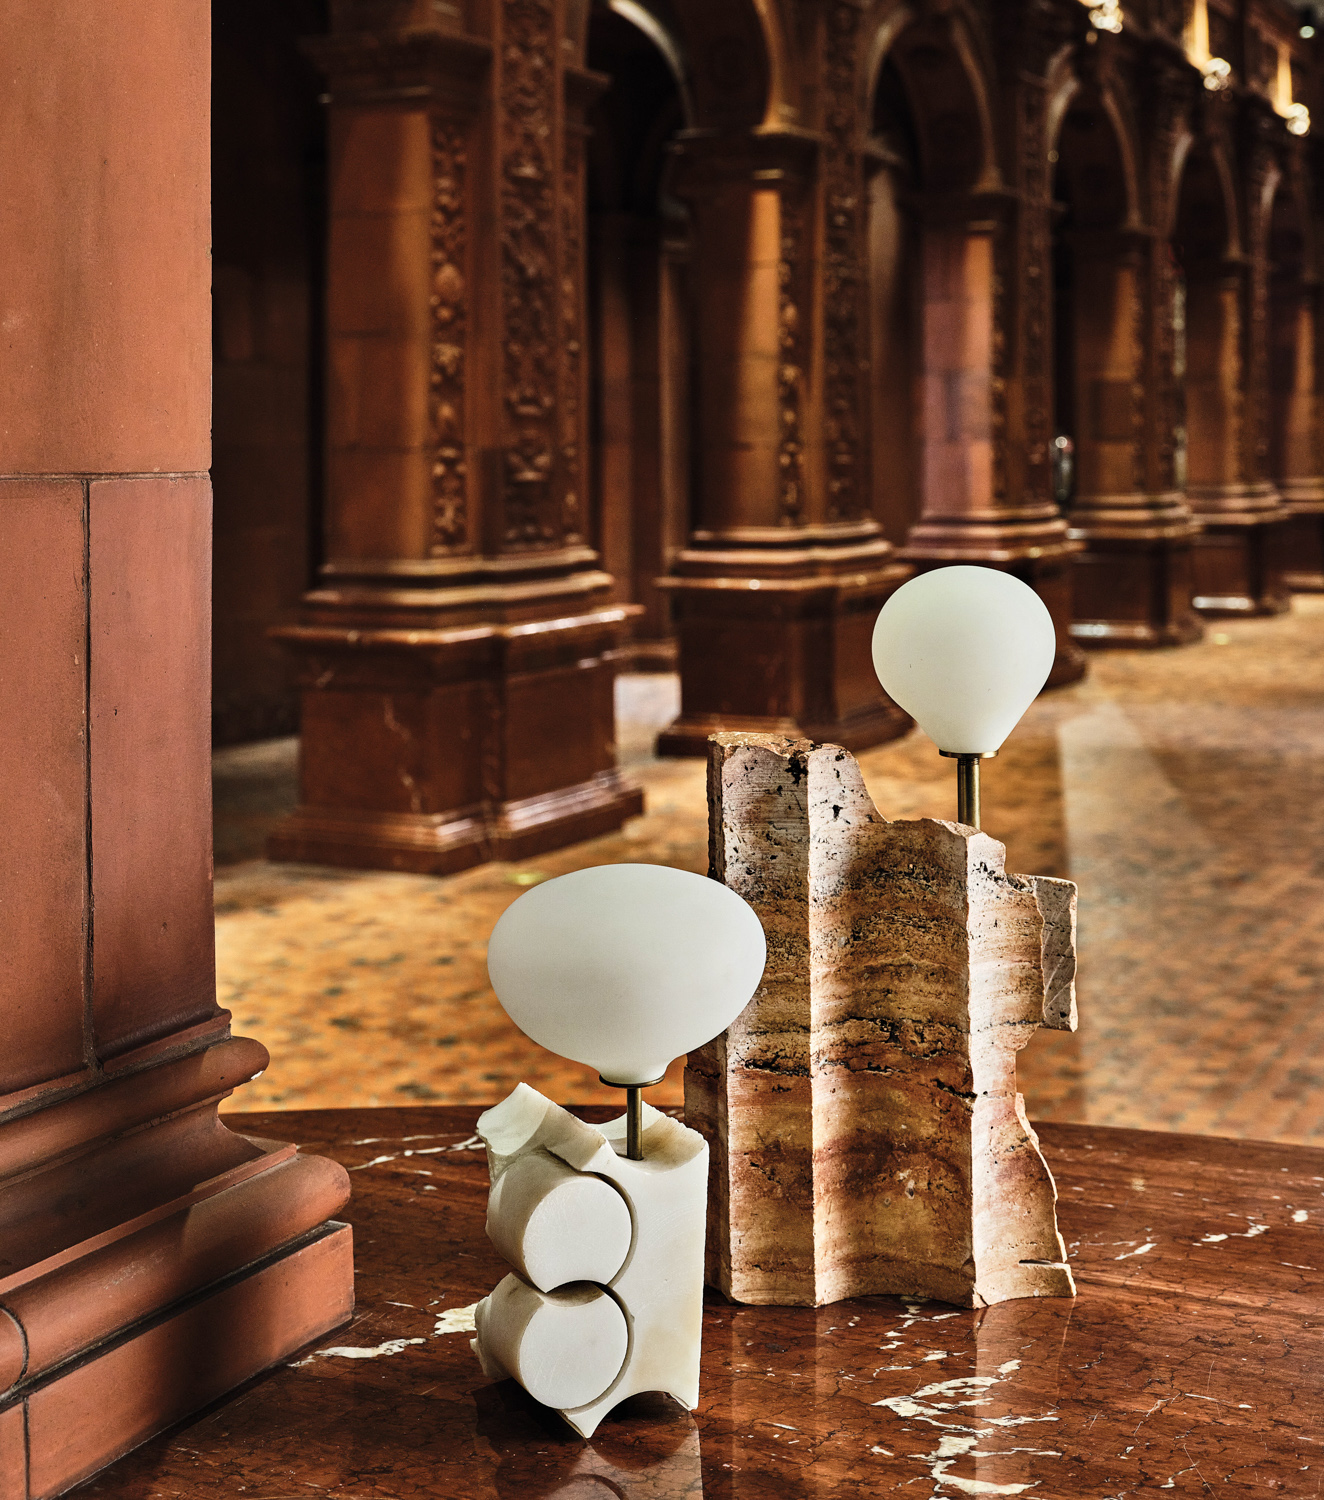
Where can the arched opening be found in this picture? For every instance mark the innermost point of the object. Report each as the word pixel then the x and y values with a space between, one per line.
pixel 268 246
pixel 931 281
pixel 1293 401
pixel 638 267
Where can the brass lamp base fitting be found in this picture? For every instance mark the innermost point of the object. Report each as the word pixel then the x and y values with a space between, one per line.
pixel 634 1113
pixel 967 784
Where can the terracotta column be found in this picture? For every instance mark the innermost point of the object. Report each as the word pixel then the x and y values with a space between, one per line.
pixel 456 657
pixel 1238 568
pixel 776 594
pixel 1295 456
pixel 1133 582
pixel 640 505
pixel 987 486
pixel 150 1260
pixel 1239 510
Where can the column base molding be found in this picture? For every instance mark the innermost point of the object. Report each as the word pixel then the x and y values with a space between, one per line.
pixel 1035 547
pixel 438 844
pixel 783 655
pixel 1301 550
pixel 445 725
pixel 1239 552
pixel 1134 581
pixel 150 1261
pixel 1302 538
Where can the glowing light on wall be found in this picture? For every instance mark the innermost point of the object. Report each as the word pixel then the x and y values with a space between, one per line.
pixel 1105 14
pixel 1217 74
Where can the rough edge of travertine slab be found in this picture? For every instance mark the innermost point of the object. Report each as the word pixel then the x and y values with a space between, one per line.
pixel 846 1092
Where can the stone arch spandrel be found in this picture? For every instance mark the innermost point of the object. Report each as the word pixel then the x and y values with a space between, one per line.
pixel 1208 156
pixel 938 60
pixel 1074 93
pixel 737 60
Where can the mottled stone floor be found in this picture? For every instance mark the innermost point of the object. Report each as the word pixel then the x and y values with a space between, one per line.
pixel 1183 790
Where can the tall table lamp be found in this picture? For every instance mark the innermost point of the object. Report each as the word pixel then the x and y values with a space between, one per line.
pixel 622 968
pixel 965 651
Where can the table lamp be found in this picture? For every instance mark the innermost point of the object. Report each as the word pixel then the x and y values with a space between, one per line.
pixel 965 651
pixel 622 968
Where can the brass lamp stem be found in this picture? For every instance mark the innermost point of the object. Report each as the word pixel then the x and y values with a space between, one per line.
pixel 634 1114
pixel 967 790
pixel 967 786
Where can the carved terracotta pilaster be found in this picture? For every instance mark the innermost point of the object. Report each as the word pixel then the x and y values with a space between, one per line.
pixel 450 335
pixel 776 593
pixel 792 355
pixel 527 118
pixel 460 615
pixel 845 253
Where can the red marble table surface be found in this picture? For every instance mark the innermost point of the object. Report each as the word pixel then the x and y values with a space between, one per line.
pixel 1192 1360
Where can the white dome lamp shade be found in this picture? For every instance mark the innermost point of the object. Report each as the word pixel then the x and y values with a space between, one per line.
pixel 624 967
pixel 965 651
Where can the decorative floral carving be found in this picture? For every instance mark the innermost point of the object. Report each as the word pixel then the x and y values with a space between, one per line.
pixel 791 359
pixel 1036 290
pixel 845 315
pixel 1264 167
pixel 449 327
pixel 1169 91
pixel 572 335
pixel 528 281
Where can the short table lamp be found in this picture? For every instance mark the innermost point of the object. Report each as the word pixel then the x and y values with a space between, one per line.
pixel 965 651
pixel 622 968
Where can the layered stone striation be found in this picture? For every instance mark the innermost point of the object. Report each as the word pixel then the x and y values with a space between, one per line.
pixel 866 1132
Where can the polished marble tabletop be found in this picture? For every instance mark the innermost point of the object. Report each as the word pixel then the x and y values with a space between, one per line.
pixel 1191 1361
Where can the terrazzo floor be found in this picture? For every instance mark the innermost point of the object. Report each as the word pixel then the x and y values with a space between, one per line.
pixel 1183 790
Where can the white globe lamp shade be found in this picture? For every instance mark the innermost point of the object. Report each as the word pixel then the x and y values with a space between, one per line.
pixel 965 651
pixel 625 967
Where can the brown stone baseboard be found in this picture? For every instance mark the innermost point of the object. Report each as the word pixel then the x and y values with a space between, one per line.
pixel 426 844
pixel 85 1414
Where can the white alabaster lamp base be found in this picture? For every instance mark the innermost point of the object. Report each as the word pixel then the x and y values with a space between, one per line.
pixel 628 1315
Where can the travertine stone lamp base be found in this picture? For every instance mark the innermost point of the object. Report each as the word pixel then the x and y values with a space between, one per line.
pixel 866 1134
